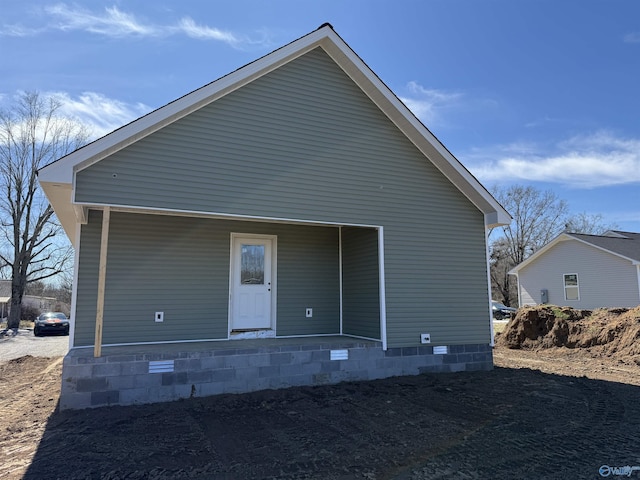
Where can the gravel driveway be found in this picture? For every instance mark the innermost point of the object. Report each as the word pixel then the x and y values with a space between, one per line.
pixel 25 343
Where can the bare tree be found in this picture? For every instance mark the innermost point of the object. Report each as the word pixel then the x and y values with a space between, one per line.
pixel 502 286
pixel 32 133
pixel 538 217
pixel 584 222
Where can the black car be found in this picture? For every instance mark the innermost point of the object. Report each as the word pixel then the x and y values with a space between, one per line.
pixel 51 322
pixel 500 311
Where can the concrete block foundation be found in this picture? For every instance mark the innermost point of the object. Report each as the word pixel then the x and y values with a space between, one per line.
pixel 121 375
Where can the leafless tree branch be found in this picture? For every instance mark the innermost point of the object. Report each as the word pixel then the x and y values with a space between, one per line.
pixel 538 217
pixel 32 134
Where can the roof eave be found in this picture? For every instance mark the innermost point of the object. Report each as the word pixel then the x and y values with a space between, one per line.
pixel 63 170
pixel 60 197
pixel 416 131
pixel 563 237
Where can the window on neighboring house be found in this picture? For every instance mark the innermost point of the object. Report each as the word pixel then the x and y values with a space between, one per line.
pixel 571 289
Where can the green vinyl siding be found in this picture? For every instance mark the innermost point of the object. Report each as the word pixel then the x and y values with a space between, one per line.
pixel 87 285
pixel 443 290
pixel 308 277
pixel 304 142
pixel 180 266
pixel 360 282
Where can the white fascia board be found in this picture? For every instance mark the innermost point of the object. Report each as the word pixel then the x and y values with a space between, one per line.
pixel 532 258
pixel 560 238
pixel 57 172
pixel 632 260
pixel 63 170
pixel 415 130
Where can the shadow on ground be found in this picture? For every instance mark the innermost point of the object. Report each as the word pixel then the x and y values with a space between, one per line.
pixel 502 424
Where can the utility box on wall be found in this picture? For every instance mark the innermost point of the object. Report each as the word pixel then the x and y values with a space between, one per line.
pixel 544 296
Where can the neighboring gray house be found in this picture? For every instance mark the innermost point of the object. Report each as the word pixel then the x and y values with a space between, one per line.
pixel 291 223
pixel 43 304
pixel 583 271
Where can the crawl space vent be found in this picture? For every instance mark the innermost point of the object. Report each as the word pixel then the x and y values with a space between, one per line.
pixel 161 366
pixel 339 354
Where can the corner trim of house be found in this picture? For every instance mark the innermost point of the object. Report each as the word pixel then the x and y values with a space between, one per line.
pixel 383 300
pixel 74 290
pixel 488 262
pixel 340 274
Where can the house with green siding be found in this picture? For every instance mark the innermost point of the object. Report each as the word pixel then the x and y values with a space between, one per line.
pixel 291 223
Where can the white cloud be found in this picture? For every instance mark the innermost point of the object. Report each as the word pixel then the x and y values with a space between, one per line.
pixel 115 23
pixel 590 161
pixel 191 29
pixel 100 113
pixel 426 103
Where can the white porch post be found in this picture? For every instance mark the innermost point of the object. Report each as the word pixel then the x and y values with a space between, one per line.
pixel 488 263
pixel 102 274
pixel 383 300
pixel 340 273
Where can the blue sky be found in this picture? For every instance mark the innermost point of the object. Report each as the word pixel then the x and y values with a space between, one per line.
pixel 539 92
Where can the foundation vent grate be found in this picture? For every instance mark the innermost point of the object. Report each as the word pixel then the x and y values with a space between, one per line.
pixel 161 366
pixel 339 354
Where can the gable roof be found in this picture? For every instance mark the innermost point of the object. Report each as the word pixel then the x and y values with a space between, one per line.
pixel 57 178
pixel 625 245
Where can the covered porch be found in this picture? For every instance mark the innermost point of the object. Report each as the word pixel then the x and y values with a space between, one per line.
pixel 150 278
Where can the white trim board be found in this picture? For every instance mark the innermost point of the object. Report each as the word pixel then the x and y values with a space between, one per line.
pixel 61 173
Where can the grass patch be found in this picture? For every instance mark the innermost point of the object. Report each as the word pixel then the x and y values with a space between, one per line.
pixel 558 313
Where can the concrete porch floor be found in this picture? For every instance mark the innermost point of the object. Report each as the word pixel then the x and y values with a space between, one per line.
pixel 229 347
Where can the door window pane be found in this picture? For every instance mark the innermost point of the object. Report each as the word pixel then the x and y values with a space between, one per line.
pixel 252 265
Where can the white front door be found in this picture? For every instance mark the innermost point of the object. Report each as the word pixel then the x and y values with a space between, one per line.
pixel 251 289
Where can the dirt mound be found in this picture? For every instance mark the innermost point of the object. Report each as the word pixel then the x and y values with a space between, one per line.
pixel 606 331
pixel 21 360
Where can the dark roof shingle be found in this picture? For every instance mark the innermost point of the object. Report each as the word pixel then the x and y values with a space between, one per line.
pixel 626 244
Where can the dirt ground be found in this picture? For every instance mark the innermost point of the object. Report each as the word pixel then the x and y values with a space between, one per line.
pixel 545 411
